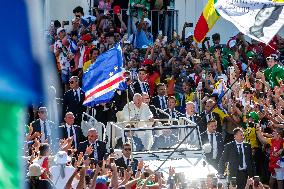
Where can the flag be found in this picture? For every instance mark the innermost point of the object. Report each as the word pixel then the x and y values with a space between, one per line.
pixel 103 77
pixel 258 19
pixel 20 81
pixel 206 21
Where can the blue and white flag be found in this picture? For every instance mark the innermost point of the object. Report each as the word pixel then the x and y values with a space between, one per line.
pixel 103 77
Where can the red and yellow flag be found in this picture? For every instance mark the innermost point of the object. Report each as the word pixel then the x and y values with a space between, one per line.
pixel 206 21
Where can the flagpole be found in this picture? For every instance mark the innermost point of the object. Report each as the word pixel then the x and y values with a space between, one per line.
pixel 127 98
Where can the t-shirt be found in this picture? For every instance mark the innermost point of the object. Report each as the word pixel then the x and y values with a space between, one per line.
pixel 42 184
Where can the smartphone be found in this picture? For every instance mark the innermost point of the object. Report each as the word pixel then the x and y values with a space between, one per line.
pixel 65 23
pixel 214 182
pixel 121 171
pixel 234 181
pixel 256 181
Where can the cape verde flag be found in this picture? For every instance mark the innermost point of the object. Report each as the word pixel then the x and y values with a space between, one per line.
pixel 103 77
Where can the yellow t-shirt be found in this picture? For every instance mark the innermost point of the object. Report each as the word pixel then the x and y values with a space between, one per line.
pixel 251 137
pixel 87 65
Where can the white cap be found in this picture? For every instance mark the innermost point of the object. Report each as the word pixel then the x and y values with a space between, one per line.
pixel 149 23
pixel 59 30
pixel 61 158
pixel 188 34
pixel 232 43
pixel 35 170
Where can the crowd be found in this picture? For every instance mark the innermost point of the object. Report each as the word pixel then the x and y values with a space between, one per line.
pixel 234 92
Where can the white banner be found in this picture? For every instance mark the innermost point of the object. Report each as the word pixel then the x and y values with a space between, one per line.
pixel 258 19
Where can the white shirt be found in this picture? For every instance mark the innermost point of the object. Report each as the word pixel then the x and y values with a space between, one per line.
pixel 64 63
pixel 143 113
pixel 214 147
pixel 69 133
pixel 244 157
pixel 162 98
pixel 190 117
pixel 78 93
pixel 125 160
pixel 58 181
pixel 48 130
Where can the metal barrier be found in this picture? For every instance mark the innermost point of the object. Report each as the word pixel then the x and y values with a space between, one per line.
pixel 170 20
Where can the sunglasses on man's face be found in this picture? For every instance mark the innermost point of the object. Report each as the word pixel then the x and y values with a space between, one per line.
pixel 127 149
pixel 71 82
pixel 42 112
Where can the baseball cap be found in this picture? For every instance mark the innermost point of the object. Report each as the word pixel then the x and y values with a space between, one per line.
pixel 60 29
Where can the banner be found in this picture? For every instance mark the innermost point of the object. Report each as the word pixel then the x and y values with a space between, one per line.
pixel 258 19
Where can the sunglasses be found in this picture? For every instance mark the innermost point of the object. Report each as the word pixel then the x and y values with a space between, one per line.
pixel 127 149
pixel 42 112
pixel 71 82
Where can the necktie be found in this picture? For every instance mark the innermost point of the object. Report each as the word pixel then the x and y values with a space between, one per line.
pixel 95 151
pixel 173 115
pixel 241 162
pixel 76 95
pixel 44 130
pixel 163 105
pixel 211 142
pixel 71 132
pixel 127 162
pixel 144 87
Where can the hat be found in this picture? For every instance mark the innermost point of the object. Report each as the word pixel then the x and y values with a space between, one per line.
pixel 254 116
pixel 149 23
pixel 35 170
pixel 116 9
pixel 60 30
pixel 250 54
pixel 102 179
pixel 61 158
pixel 232 43
pixel 86 37
pixel 147 62
pixel 188 34
pixel 273 56
pixel 101 186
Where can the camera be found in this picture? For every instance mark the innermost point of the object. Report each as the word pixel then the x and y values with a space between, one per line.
pixel 256 181
pixel 234 181
pixel 207 39
pixel 65 23
pixel 188 24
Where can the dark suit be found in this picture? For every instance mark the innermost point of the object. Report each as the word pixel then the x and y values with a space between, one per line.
pixel 121 163
pixel 174 113
pixel 72 104
pixel 231 155
pixel 137 88
pixel 160 142
pixel 137 144
pixel 101 149
pixel 203 122
pixel 37 128
pixel 63 134
pixel 220 145
pixel 156 102
pixel 158 114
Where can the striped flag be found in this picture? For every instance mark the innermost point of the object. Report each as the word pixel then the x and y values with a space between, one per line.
pixel 103 77
pixel 20 81
pixel 206 21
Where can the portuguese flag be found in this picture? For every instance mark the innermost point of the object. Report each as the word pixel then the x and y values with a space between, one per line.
pixel 20 84
pixel 206 21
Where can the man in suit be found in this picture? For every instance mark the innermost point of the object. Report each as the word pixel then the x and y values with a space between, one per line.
pixel 208 114
pixel 93 147
pixel 126 160
pixel 129 136
pixel 157 113
pixel 141 85
pixel 44 128
pixel 165 140
pixel 239 156
pixel 69 130
pixel 160 101
pixel 216 140
pixel 73 100
pixel 174 114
